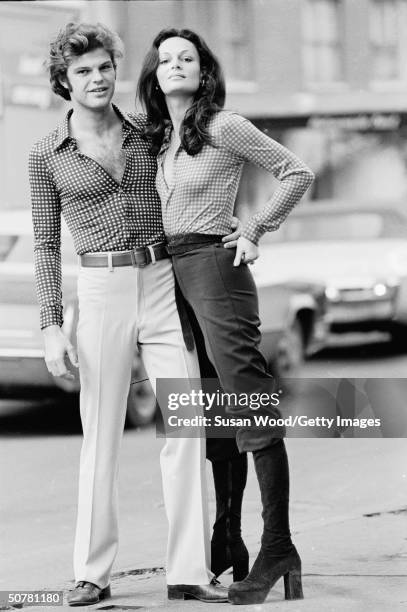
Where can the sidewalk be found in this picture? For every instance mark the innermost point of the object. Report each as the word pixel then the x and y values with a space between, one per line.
pixel 352 582
pixel 348 518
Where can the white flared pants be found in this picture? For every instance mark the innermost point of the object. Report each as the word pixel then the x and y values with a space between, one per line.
pixel 119 310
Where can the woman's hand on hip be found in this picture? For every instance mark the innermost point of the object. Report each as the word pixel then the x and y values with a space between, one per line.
pixel 230 241
pixel 246 252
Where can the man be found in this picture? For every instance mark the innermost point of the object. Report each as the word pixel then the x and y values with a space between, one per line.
pixel 96 170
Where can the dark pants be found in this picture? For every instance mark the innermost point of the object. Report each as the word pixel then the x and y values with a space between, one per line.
pixel 217 448
pixel 225 304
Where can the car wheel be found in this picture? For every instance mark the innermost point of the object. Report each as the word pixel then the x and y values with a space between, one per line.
pixel 141 404
pixel 290 351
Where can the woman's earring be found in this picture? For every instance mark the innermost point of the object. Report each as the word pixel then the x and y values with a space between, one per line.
pixel 156 88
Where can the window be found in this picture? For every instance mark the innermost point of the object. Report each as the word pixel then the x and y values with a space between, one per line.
pixel 227 25
pixel 235 39
pixel 384 39
pixel 322 49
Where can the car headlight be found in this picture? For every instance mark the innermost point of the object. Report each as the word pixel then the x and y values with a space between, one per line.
pixel 380 289
pixel 332 293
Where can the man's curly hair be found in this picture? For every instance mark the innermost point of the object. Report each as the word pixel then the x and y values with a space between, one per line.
pixel 74 40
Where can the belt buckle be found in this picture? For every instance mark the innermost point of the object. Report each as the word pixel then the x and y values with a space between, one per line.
pixel 134 262
pixel 133 259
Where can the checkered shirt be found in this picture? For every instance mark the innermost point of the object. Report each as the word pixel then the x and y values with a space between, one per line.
pixel 101 214
pixel 202 194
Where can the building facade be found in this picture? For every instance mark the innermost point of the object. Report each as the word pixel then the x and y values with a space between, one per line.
pixel 328 78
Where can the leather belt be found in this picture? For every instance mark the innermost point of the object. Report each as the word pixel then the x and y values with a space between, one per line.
pixel 138 258
pixel 182 243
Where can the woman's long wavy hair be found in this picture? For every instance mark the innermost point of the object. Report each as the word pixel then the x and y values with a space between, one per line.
pixel 208 99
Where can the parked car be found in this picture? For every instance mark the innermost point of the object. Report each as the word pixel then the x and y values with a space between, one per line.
pixel 293 323
pixel 358 251
pixel 21 345
pixel 292 313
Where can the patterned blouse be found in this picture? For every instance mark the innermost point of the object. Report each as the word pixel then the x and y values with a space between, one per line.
pixel 202 194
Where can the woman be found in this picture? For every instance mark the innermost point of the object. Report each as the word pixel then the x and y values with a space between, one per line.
pixel 201 151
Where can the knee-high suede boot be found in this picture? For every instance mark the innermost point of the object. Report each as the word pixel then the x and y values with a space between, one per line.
pixel 227 546
pixel 278 556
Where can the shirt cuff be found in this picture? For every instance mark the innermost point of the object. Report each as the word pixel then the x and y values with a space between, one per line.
pixel 254 231
pixel 51 315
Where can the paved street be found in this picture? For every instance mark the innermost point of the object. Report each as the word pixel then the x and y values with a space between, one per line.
pixel 348 512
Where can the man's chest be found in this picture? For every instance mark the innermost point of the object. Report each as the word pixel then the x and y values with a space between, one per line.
pixel 107 154
pixel 84 178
